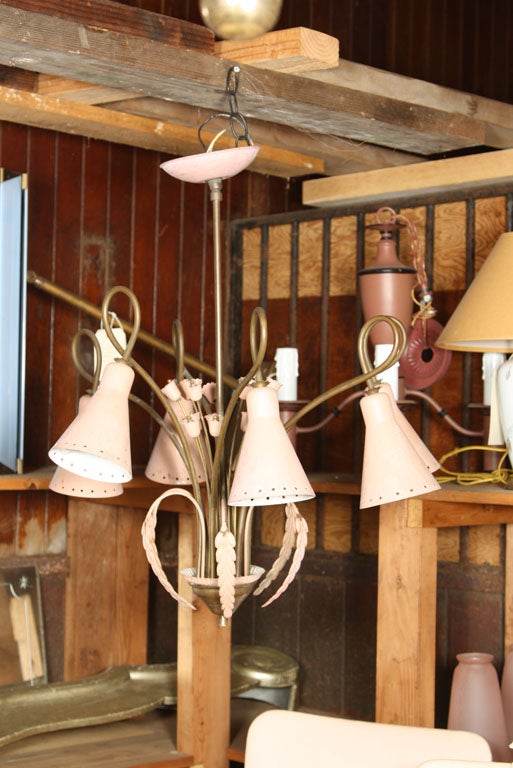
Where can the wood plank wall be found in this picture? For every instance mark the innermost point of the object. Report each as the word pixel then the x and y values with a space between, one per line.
pixel 101 214
pixel 463 44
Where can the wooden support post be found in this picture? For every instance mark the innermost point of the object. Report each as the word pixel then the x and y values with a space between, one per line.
pixel 203 674
pixel 405 661
pixel 107 589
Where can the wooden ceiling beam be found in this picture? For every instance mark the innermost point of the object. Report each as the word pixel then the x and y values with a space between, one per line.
pixel 339 155
pixel 434 176
pixel 148 133
pixel 53 45
pixel 496 116
pixel 106 15
pixel 287 50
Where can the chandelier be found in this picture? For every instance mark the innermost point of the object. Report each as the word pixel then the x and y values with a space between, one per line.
pixel 226 458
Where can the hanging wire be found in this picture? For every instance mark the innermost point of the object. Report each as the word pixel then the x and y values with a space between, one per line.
pixel 237 121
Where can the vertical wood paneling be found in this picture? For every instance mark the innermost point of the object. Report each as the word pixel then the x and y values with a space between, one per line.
pixel 66 271
pixel 41 174
pixel 94 245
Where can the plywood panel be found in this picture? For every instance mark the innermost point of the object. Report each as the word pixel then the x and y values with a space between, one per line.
pixel 337 517
pixel 343 252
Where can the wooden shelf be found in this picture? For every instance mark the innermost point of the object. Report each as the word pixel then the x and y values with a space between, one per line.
pixel 36 480
pixel 452 506
pixel 147 741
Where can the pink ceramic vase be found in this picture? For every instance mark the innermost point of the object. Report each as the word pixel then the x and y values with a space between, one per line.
pixel 476 704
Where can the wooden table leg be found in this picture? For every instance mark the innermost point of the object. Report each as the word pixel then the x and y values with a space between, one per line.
pixel 106 590
pixel 203 670
pixel 406 630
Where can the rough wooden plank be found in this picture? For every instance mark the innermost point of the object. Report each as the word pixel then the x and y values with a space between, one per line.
pixel 497 116
pixel 142 742
pixel 53 45
pixel 338 155
pixel 405 656
pixel 78 90
pixel 453 514
pixel 105 15
pixel 203 687
pixel 287 50
pixel 434 176
pixel 107 589
pixel 96 122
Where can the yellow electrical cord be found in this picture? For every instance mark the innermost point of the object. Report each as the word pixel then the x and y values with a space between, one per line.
pixel 500 475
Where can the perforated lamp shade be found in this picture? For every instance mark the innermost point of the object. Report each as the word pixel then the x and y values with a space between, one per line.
pixel 165 464
pixel 268 470
pixel 97 443
pixel 430 462
pixel 392 469
pixel 70 484
pixel 83 487
pixel 483 320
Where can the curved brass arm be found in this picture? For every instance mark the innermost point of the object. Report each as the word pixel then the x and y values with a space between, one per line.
pixel 370 373
pixel 258 325
pixel 126 356
pixel 94 377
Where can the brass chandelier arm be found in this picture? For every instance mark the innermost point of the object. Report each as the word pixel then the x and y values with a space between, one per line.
pixel 58 292
pixel 398 347
pixel 258 324
pixel 94 377
pixel 129 360
pixel 178 346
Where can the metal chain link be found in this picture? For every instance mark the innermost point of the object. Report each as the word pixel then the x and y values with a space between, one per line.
pixel 238 123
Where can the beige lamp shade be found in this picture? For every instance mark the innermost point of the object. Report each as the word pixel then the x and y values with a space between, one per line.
pixel 392 469
pixel 96 444
pixel 483 320
pixel 165 464
pixel 268 470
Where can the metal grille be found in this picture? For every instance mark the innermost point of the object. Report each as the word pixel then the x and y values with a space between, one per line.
pixel 261 262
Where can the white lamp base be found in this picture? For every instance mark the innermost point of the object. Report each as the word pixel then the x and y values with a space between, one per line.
pixel 505 402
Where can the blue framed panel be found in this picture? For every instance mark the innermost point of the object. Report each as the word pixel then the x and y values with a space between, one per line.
pixel 13 269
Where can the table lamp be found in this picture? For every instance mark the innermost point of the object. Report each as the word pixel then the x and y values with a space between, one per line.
pixel 483 322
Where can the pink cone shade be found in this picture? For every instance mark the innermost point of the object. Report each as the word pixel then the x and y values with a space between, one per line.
pixel 425 454
pixel 268 470
pixel 97 443
pixel 392 469
pixel 73 485
pixel 165 464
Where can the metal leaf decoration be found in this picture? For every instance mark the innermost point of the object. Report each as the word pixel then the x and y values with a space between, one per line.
pixel 225 558
pixel 296 534
pixel 148 537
